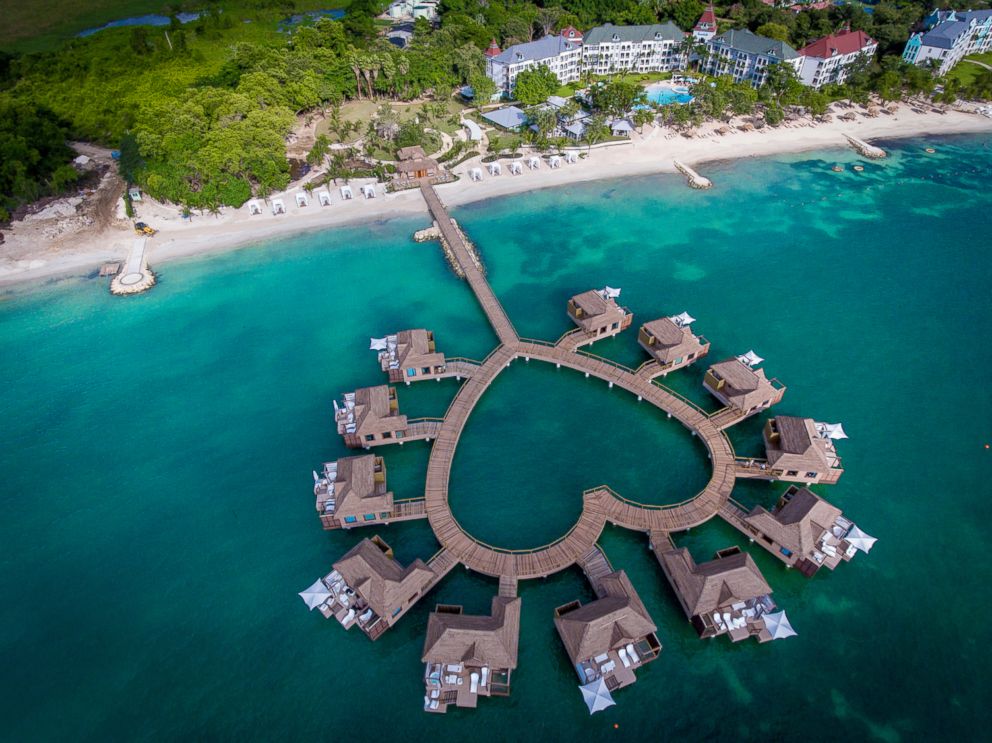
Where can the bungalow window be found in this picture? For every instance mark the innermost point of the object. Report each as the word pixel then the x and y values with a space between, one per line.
pixel 384 515
pixel 350 519
pixel 425 370
pixel 411 372
pixel 792 473
pixel 370 437
pixel 369 517
pixel 811 475
pixel 614 326
pixel 387 435
pixel 397 611
pixel 784 551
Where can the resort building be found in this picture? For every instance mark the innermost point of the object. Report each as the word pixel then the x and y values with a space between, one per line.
pixel 559 55
pixel 598 315
pixel 413 164
pixel 655 48
pixel 671 342
pixel 742 388
pixel 352 492
pixel 828 60
pixel 410 355
pixel 797 450
pixel 368 587
pixel 468 656
pixel 950 35
pixel 405 9
pixel 803 531
pixel 609 638
pixel 726 596
pixel 571 34
pixel 746 56
pixel 370 416
pixel 705 28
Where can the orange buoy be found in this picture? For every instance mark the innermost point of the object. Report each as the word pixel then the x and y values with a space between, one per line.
pixel 617 727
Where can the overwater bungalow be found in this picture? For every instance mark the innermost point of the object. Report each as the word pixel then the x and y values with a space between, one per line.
pixel 467 656
pixel 371 589
pixel 413 163
pixel 410 355
pixel 611 637
pixel 352 492
pixel 803 531
pixel 671 342
pixel 798 450
pixel 744 389
pixel 725 596
pixel 598 315
pixel 369 417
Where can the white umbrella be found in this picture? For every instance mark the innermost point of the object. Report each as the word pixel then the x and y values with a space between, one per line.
pixel 683 319
pixel 750 359
pixel 859 540
pixel 315 595
pixel 596 696
pixel 377 344
pixel 778 625
pixel 832 430
pixel 611 293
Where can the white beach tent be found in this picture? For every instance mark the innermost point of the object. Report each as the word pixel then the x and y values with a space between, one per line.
pixel 378 344
pixel 778 626
pixel 571 157
pixel 368 191
pixel 324 197
pixel 596 696
pixel 301 199
pixel 554 162
pixel 750 359
pixel 495 169
pixel 346 193
pixel 516 168
pixel 254 207
pixel 859 540
pixel 475 174
pixel 315 595
pixel 278 207
pixel 534 163
pixel 831 430
pixel 610 293
pixel 683 319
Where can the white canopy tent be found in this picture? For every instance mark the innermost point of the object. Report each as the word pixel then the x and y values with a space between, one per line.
pixel 554 162
pixel 278 207
pixel 475 174
pixel 324 197
pixel 254 207
pixel 368 191
pixel 596 696
pixel 301 199
pixel 750 359
pixel 315 595
pixel 378 344
pixel 534 163
pixel 571 157
pixel 610 293
pixel 346 193
pixel 778 625
pixel 831 430
pixel 683 319
pixel 516 168
pixel 495 169
pixel 859 540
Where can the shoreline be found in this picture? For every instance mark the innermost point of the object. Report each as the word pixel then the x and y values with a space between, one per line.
pixel 651 154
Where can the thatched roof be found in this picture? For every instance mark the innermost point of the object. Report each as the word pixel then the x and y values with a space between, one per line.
pixel 591 303
pixel 355 490
pixel 798 524
pixel 381 580
pixel 372 408
pixel 475 640
pixel 607 623
pixel 744 387
pixel 416 348
pixel 412 166
pixel 796 442
pixel 411 153
pixel 671 341
pixel 715 584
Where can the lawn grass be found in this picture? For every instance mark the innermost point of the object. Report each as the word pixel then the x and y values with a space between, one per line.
pixel 363 111
pixel 965 72
pixel 27 26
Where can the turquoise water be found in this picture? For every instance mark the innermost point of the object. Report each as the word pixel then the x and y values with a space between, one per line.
pixel 156 451
pixel 664 95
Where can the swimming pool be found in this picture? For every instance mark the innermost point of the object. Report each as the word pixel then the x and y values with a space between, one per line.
pixel 664 95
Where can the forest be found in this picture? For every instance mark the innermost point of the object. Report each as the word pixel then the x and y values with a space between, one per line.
pixel 209 103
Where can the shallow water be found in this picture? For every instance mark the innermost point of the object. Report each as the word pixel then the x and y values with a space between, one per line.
pixel 156 451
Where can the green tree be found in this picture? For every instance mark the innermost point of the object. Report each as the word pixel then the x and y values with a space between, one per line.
pixel 321 146
pixel 774 31
pixel 616 97
pixel 535 85
pixel 685 13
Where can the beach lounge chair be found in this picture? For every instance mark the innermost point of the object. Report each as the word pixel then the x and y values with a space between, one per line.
pixel 324 197
pixel 485 676
pixel 301 199
pixel 602 658
pixel 474 686
pixel 633 655
pixel 623 658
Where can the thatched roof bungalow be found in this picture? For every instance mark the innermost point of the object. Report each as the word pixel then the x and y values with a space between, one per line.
pixel 370 416
pixel 597 313
pixel 742 387
pixel 352 492
pixel 671 342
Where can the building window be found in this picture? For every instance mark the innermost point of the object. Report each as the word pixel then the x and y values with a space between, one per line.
pixel 425 370
pixel 387 435
pixel 614 326
pixel 411 372
pixel 369 517
pixel 370 437
pixel 792 473
pixel 350 519
pixel 398 610
pixel 810 475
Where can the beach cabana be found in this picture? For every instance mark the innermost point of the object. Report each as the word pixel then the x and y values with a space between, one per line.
pixel 301 199
pixel 516 168
pixel 778 626
pixel 324 197
pixel 346 193
pixel 475 174
pixel 134 193
pixel 742 388
pixel 571 157
pixel 316 595
pixel 278 207
pixel 534 163
pixel 795 451
pixel 597 696
pixel 598 315
pixel 368 191
pixel 495 169
pixel 671 342
pixel 410 356
pixel 352 492
pixel 554 162
pixel 254 207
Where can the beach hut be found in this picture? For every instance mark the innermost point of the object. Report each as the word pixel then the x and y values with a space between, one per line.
pixel 346 193
pixel 554 162
pixel 495 169
pixel 534 163
pixel 410 356
pixel 134 193
pixel 598 315
pixel 278 207
pixel 741 387
pixel 368 191
pixel 475 174
pixel 301 199
pixel 571 157
pixel 671 343
pixel 324 197
pixel 254 207
pixel 797 450
pixel 352 492
pixel 516 168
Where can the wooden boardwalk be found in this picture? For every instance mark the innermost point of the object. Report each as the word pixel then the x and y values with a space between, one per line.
pixel 600 505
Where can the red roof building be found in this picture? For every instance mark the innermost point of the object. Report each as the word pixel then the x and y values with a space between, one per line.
pixel 571 34
pixel 842 42
pixel 493 50
pixel 827 60
pixel 705 28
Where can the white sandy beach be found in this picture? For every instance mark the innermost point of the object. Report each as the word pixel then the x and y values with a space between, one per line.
pixel 26 256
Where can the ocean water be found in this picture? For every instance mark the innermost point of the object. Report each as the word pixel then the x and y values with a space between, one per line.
pixel 156 453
